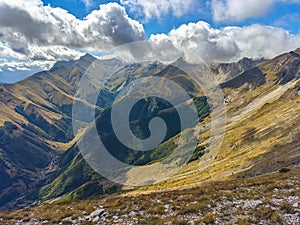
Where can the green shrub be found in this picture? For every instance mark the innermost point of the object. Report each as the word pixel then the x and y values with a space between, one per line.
pixel 284 170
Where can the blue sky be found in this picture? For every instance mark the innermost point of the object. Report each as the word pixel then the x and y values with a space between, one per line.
pixel 35 34
pixel 275 16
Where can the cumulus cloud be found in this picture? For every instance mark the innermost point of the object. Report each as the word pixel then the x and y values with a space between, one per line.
pixel 158 8
pixel 237 10
pixel 226 44
pixel 258 41
pixel 41 57
pixel 30 30
pixel 35 36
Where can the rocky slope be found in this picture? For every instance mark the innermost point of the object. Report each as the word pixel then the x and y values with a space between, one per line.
pixel 271 199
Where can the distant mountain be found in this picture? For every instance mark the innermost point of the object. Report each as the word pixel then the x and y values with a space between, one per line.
pixel 228 71
pixel 39 159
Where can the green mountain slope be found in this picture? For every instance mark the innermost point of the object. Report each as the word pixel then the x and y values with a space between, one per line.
pixel 39 159
pixel 72 162
pixel 261 134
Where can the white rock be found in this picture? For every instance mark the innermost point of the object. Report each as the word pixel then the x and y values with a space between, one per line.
pixel 119 221
pixel 96 219
pixel 132 214
pixel 252 203
pixel 97 212
pixel 115 217
pixel 168 206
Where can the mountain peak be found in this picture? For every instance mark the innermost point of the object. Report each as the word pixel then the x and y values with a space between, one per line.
pixel 296 53
pixel 61 64
pixel 87 57
pixel 245 60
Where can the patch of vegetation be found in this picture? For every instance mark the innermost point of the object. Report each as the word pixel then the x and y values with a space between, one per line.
pixel 199 152
pixel 75 175
pixel 284 170
pixel 209 218
pixel 202 106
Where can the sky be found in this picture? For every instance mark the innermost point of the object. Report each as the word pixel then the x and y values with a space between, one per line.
pixel 35 34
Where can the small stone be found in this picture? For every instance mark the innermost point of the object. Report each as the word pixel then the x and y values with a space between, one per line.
pixel 75 221
pixel 97 212
pixel 168 206
pixel 115 217
pixel 133 214
pixel 119 221
pixel 96 219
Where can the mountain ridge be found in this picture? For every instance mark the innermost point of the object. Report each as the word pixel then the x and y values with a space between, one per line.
pixel 37 112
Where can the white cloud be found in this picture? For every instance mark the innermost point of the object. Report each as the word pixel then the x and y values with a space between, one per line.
pixel 33 32
pixel 87 3
pixel 22 68
pixel 257 41
pixel 33 35
pixel 157 8
pixel 6 51
pixel 227 44
pixel 237 10
pixel 23 24
pixel 285 21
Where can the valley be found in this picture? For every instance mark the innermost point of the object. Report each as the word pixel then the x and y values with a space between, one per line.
pixel 257 165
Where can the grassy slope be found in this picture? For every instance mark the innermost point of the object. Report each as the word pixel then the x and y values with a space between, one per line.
pixel 75 174
pixel 40 108
pixel 256 200
pixel 261 113
pixel 262 128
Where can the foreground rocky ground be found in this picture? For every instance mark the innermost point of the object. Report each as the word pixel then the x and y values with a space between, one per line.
pixel 270 199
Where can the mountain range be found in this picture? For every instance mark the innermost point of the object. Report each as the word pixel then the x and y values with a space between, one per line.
pixel 40 161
